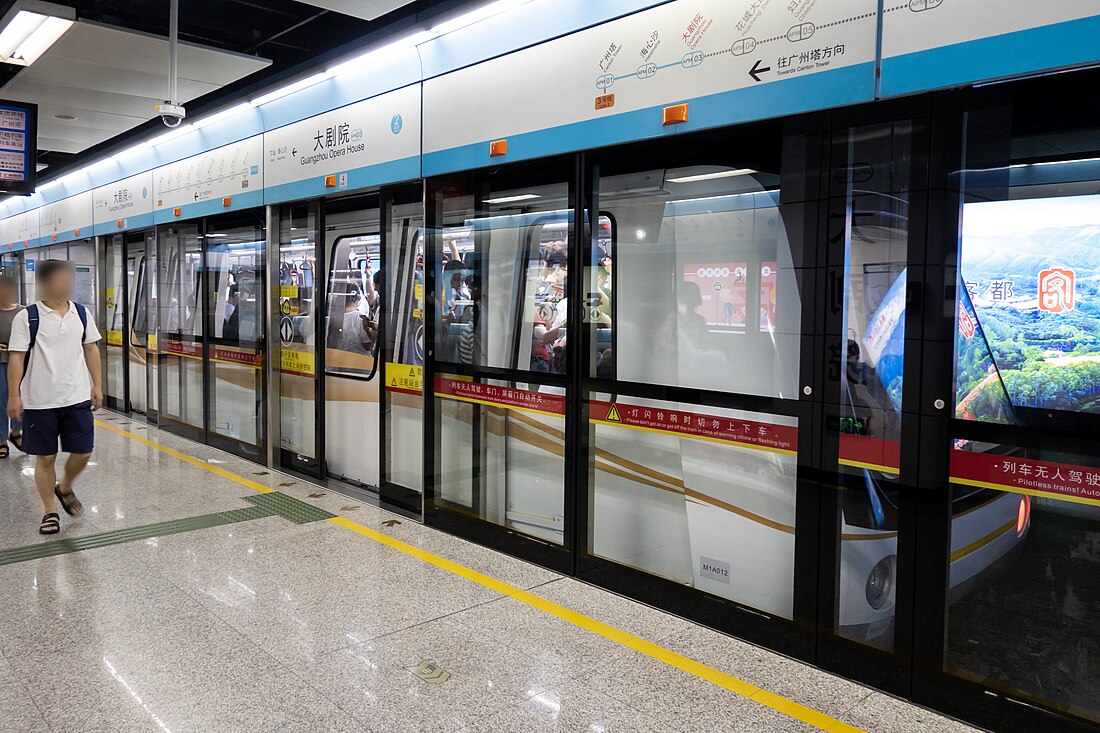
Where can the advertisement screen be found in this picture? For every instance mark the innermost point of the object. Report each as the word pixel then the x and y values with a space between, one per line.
pixel 1028 320
pixel 723 290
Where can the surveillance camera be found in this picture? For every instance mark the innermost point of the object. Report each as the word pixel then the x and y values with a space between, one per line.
pixel 171 114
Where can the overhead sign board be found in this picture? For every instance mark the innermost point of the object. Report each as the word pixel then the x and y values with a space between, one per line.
pixel 67 219
pixel 364 144
pixel 931 44
pixel 125 204
pixel 21 230
pixel 223 179
pixel 18 147
pixel 729 60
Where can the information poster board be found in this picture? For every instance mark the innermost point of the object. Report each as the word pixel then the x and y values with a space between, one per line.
pixel 18 147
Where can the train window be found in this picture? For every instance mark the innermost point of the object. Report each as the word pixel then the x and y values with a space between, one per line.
pixel 354 304
pixel 708 296
pixel 503 265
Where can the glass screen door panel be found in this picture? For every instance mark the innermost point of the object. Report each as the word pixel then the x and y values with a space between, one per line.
pixel 499 250
pixel 694 319
pixel 139 274
pixel 181 324
pixel 235 335
pixel 1023 447
pixel 114 322
pixel 298 312
pixel 874 250
pixel 82 255
pixel 352 375
pixel 403 398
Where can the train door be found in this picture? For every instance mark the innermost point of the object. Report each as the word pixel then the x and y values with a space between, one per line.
pixel 697 362
pixel 181 323
pixel 874 261
pixel 235 290
pixel 498 366
pixel 298 362
pixel 353 255
pixel 402 324
pixel 141 334
pixel 114 326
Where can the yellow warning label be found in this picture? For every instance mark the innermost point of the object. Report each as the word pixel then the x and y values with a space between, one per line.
pixel 417 314
pixel 418 291
pixel 114 338
pixel 110 299
pixel 613 414
pixel 404 377
pixel 298 362
pixel 285 308
pixel 151 342
pixel 288 291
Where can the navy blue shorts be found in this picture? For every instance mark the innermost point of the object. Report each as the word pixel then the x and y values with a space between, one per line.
pixel 74 426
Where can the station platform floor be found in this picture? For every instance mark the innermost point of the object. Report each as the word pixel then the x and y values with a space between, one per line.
pixel 201 592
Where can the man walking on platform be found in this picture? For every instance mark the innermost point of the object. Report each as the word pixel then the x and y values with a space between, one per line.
pixel 54 384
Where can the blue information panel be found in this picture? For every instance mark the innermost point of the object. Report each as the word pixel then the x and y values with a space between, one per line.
pixel 18 147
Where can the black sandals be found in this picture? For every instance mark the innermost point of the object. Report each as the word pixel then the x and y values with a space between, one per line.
pixel 69 502
pixel 51 524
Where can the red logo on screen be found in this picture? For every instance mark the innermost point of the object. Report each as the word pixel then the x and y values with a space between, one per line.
pixel 1056 290
pixel 967 325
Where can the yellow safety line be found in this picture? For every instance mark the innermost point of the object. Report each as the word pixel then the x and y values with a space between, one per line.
pixel 218 471
pixel 768 699
pixel 745 689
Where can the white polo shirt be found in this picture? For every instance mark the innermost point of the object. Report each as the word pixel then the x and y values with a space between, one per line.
pixel 57 375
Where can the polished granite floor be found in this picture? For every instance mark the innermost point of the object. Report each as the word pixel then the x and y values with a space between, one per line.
pixel 268 625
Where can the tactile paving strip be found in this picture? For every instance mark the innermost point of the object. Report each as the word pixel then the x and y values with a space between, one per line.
pixel 289 508
pixel 264 505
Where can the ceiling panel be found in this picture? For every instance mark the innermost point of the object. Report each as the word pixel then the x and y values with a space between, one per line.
pixel 109 79
pixel 365 9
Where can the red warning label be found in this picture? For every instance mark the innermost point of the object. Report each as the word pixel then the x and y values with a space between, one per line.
pixel 700 425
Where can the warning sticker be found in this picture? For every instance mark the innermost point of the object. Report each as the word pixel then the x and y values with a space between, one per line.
pixel 697 425
pixel 507 397
pixel 300 363
pixel 405 378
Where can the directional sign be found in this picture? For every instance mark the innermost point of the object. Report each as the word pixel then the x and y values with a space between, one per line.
pixel 342 140
pixel 286 331
pixel 716 53
pixel 130 198
pixel 757 70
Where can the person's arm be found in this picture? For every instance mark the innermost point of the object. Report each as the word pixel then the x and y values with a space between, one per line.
pixel 18 344
pixel 91 358
pixel 16 360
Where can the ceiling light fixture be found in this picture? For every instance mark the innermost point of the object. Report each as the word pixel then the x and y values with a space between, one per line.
pixel 513 199
pixel 30 28
pixel 714 176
